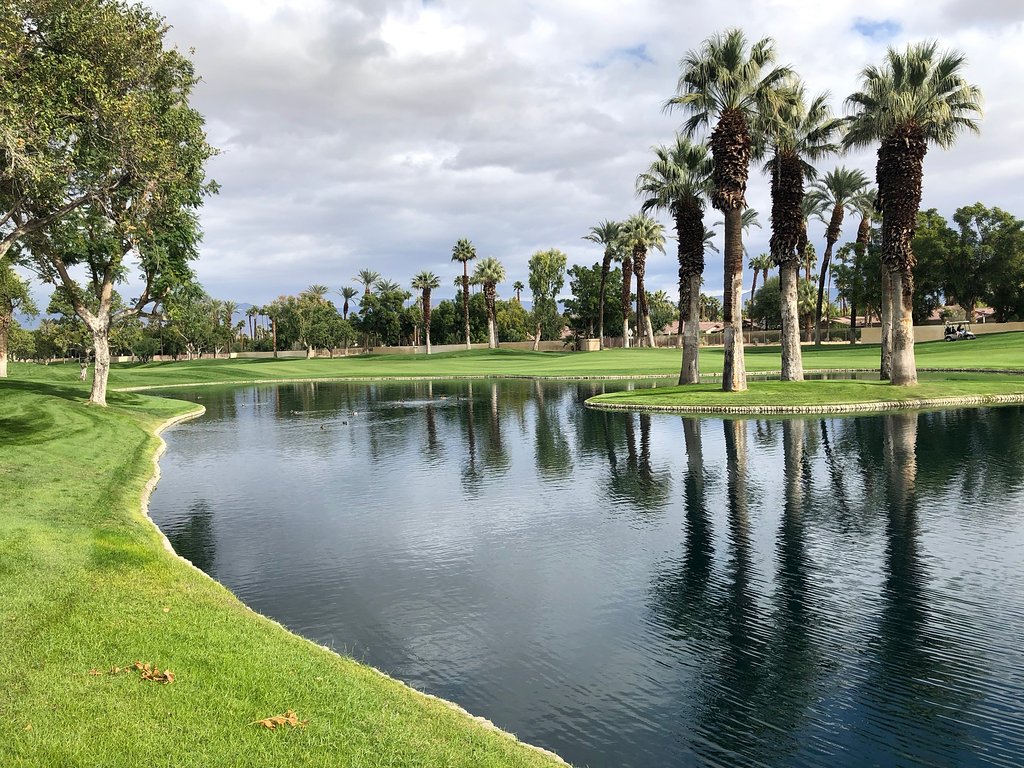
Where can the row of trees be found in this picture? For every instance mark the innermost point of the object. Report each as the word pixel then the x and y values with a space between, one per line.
pixel 755 110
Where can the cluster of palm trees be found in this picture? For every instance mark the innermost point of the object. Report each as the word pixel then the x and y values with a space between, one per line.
pixel 739 107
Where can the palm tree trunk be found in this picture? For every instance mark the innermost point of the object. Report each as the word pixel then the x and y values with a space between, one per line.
pixel 853 322
pixel 606 265
pixel 627 283
pixel 273 330
pixel 426 317
pixel 825 258
pixel 885 364
pixel 753 285
pixel 5 327
pixel 690 371
pixel 904 367
pixel 639 271
pixel 465 300
pixel 734 374
pixel 792 355
pixel 489 293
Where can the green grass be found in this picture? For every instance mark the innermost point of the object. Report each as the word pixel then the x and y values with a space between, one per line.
pixel 86 584
pixel 85 581
pixel 819 393
pixel 990 351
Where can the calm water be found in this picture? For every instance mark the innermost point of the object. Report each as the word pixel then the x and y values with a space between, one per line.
pixel 632 590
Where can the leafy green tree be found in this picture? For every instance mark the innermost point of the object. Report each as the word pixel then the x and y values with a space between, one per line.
pixel 464 252
pixel 190 319
pixel 710 308
pixel 488 273
pixel 917 97
pixel 935 247
pixel 513 321
pixel 986 264
pixel 727 83
pixel 547 276
pixel 678 180
pixel 663 311
pixel 109 165
pixel 14 296
pixel 582 308
pixel 607 233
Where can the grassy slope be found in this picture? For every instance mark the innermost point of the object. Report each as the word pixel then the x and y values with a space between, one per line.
pixel 991 351
pixel 84 583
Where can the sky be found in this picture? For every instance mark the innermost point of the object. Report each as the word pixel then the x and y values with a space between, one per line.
pixel 373 134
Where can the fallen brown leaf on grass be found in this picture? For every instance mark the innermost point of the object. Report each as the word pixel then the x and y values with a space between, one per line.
pixel 152 673
pixel 28 727
pixel 288 718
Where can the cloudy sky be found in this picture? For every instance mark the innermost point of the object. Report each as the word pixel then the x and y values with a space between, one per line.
pixel 375 133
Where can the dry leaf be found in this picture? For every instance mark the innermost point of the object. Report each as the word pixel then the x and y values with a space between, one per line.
pixel 28 727
pixel 167 610
pixel 95 672
pixel 288 718
pixel 152 673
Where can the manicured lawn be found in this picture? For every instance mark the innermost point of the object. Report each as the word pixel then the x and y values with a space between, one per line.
pixel 85 584
pixel 819 393
pixel 992 351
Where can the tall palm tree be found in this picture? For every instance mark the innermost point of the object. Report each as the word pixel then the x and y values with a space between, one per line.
pixel 251 314
pixel 837 190
pixel 518 287
pixel 917 97
pixel 608 234
pixel 425 282
pixel 318 292
pixel 229 308
pixel 678 180
pixel 347 293
pixel 625 256
pixel 488 273
pixel 729 83
pixel 464 251
pixel 387 287
pixel 641 234
pixel 800 132
pixel 865 206
pixel 367 277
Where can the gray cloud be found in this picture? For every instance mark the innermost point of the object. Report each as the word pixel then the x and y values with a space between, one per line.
pixel 374 134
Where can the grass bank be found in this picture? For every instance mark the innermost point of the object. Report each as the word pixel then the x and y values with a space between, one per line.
pixel 85 584
pixel 1002 351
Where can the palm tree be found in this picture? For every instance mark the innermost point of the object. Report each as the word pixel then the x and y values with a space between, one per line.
pixel 625 256
pixel 425 282
pixel 915 98
pixel 678 180
pixel 251 314
pixel 464 251
pixel 800 132
pixel 838 190
pixel 318 292
pixel 488 273
pixel 229 308
pixel 761 263
pixel 367 277
pixel 347 293
pixel 865 206
pixel 387 287
pixel 518 287
pixel 640 234
pixel 726 83
pixel 607 233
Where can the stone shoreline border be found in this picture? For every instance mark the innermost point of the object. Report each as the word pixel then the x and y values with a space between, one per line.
pixel 147 493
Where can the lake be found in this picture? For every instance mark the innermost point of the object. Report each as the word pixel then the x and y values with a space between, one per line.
pixel 631 590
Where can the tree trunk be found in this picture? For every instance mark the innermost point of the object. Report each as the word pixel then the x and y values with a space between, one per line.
pixel 904 367
pixel 606 265
pixel 426 316
pixel 273 330
pixel 650 330
pixel 489 296
pixel 101 367
pixel 885 365
pixel 309 351
pixel 734 374
pixel 536 339
pixel 792 355
pixel 690 371
pixel 5 329
pixel 853 322
pixel 821 291
pixel 465 300
pixel 753 286
pixel 627 283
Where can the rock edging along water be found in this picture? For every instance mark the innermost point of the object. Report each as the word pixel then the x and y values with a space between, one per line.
pixel 147 493
pixel 762 410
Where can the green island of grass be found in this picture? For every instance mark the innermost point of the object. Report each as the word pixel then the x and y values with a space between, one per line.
pixel 86 583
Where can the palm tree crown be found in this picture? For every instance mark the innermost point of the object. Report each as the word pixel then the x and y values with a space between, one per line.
pixel 367 277
pixel 488 273
pixel 609 234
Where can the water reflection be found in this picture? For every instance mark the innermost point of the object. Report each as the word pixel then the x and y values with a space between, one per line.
pixel 631 589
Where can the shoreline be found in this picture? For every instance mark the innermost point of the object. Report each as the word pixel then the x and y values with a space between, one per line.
pixel 146 496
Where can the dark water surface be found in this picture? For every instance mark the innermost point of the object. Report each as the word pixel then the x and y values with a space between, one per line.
pixel 632 590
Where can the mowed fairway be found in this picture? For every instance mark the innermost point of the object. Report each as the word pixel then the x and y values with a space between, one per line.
pixel 85 584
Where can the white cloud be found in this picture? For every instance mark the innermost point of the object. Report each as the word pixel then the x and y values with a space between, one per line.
pixel 368 133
